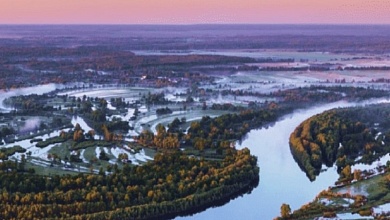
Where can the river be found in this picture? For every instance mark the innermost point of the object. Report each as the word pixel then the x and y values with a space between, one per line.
pixel 281 180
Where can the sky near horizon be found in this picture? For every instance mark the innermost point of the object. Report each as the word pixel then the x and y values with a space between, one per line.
pixel 194 11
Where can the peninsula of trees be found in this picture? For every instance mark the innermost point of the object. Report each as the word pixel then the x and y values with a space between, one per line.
pixel 171 184
pixel 343 137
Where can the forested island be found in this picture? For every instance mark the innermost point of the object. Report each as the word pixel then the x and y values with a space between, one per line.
pixel 341 137
pixel 344 138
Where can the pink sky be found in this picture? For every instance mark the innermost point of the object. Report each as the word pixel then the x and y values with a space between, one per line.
pixel 193 11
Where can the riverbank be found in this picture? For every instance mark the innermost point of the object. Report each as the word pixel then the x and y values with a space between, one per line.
pixel 358 137
pixel 274 145
pixel 360 200
pixel 141 192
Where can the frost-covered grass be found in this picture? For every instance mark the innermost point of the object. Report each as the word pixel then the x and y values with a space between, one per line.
pixel 126 117
pixel 354 189
pixel 352 216
pixel 60 149
pixel 98 150
pixel 108 92
pixel 135 158
pixel 382 208
pixel 275 54
pixel 191 115
pixel 89 153
pixel 382 161
pixel 116 151
pixel 82 157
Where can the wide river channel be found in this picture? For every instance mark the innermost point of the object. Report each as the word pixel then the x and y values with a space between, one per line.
pixel 281 180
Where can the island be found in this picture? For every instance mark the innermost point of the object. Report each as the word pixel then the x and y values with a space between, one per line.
pixel 353 141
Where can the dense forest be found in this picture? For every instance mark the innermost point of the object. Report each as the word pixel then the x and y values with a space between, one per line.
pixel 171 184
pixel 343 137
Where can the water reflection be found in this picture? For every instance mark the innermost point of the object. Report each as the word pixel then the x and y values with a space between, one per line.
pixel 246 191
pixel 282 181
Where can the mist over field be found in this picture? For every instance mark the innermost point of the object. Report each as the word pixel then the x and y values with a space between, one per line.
pixel 194 121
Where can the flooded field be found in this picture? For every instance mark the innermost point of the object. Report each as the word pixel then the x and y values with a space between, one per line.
pixel 273 54
pixel 281 180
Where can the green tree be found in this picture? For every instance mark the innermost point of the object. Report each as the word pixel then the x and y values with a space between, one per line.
pixel 285 211
pixel 200 144
pixel 103 155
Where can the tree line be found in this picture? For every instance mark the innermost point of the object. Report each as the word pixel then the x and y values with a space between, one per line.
pixel 170 184
pixel 339 137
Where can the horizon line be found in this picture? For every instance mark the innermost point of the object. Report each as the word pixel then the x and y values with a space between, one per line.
pixel 193 24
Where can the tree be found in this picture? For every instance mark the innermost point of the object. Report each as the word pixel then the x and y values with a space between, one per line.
pixel 123 157
pixel 22 163
pixel 109 168
pixel 160 136
pixel 63 134
pixel 103 155
pixel 108 136
pixel 91 134
pixel 285 211
pixel 204 106
pixel 357 174
pixel 101 171
pixel 346 172
pixel 200 144
pixel 174 125
pixel 78 135
pixel 189 99
pixel 77 127
pixel 146 138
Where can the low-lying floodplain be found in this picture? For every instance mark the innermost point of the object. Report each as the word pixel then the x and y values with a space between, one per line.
pixel 130 131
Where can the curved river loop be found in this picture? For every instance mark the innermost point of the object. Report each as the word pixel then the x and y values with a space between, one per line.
pixel 281 180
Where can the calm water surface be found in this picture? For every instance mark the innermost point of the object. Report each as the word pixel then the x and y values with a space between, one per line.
pixel 281 180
